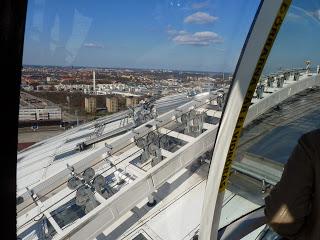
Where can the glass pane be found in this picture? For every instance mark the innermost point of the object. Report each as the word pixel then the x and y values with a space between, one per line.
pixel 120 90
pixel 284 107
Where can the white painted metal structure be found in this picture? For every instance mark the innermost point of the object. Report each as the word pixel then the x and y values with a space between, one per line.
pixel 47 191
pixel 255 52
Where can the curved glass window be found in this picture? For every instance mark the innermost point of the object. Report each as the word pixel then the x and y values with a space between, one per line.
pixel 285 106
pixel 120 102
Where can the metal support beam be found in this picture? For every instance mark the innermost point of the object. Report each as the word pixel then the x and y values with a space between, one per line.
pixel 177 135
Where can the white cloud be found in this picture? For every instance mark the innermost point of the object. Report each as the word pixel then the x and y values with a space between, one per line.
pixel 183 32
pixel 197 38
pixel 200 18
pixel 200 5
pixel 93 45
pixel 173 32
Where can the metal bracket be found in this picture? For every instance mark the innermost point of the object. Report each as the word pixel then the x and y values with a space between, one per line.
pixel 108 146
pixel 71 169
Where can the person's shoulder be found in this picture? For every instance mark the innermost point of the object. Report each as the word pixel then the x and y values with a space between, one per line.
pixel 312 136
pixel 311 140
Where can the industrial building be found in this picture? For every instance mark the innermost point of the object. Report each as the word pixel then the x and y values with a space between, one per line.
pixel 90 104
pixel 112 104
pixel 37 111
pixel 39 114
pixel 132 101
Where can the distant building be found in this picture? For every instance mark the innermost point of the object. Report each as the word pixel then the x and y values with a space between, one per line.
pixel 208 86
pixel 39 114
pixel 27 87
pixel 90 104
pixel 44 87
pixel 112 104
pixel 37 111
pixel 132 101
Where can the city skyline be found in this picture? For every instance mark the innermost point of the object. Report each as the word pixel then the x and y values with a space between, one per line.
pixel 122 68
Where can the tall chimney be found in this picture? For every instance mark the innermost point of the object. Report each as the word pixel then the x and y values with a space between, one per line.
pixel 94 81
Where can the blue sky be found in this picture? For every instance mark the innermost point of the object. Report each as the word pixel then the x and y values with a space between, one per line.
pixel 183 35
pixel 298 39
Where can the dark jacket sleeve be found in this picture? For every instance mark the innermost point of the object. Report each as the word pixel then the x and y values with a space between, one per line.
pixel 289 202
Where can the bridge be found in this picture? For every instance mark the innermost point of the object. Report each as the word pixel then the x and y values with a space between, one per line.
pixel 137 163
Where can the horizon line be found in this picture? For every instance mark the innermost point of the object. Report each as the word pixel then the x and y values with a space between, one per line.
pixel 130 68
